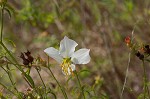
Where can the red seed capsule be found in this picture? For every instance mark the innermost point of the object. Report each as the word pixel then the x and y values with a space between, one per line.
pixel 128 40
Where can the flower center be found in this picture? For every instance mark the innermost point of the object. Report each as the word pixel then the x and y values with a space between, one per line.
pixel 67 70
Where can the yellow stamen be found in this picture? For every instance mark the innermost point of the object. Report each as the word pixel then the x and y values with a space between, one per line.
pixel 66 66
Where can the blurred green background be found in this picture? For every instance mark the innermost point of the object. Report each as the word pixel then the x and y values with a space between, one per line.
pixel 99 25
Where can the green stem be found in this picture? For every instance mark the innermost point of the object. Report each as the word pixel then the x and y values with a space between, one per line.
pixel 80 84
pixel 146 90
pixel 2 17
pixel 41 78
pixel 64 93
pixel 7 89
pixel 11 80
pixel 5 48
pixel 17 64
pixel 29 79
pixel 2 44
pixel 10 77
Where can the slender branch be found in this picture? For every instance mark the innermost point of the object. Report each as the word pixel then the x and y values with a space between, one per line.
pixel 27 81
pixel 126 76
pixel 146 90
pixel 41 78
pixel 11 80
pixel 17 64
pixel 9 75
pixel 127 69
pixel 2 16
pixel 7 89
pixel 27 77
pixel 80 84
pixel 64 93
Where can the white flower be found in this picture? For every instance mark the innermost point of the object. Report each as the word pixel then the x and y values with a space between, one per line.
pixel 67 57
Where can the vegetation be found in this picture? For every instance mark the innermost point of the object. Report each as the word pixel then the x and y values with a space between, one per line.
pixel 115 31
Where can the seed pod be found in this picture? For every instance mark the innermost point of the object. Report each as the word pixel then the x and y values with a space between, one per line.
pixel 138 54
pixel 147 46
pixel 29 57
pixel 141 57
pixel 25 61
pixel 147 49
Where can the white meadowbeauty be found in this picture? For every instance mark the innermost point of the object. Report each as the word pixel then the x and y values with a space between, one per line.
pixel 67 57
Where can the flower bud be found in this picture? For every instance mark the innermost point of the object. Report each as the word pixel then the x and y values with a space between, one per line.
pixel 128 40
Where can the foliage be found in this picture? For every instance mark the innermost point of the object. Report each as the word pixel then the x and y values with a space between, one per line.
pixel 100 25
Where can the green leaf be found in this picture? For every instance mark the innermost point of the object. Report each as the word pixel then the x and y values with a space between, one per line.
pixel 84 73
pixel 147 60
pixel 8 12
pixel 10 8
pixel 52 94
pixel 28 77
pixel 11 42
pixel 85 70
pixel 68 80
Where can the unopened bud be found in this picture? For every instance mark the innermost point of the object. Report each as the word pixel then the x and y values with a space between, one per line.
pixel 128 40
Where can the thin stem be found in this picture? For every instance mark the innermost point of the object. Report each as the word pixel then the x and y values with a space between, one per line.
pixel 27 81
pixel 2 16
pixel 7 89
pixel 11 80
pixel 64 93
pixel 10 62
pixel 11 56
pixel 10 77
pixel 1 31
pixel 79 84
pixel 126 76
pixel 127 70
pixel 5 48
pixel 146 90
pixel 28 78
pixel 17 64
pixel 41 79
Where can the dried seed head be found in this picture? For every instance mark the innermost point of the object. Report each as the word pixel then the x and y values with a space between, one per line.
pixel 138 54
pixel 147 46
pixel 141 57
pixel 25 61
pixel 27 53
pixel 29 57
pixel 27 92
pixel 22 56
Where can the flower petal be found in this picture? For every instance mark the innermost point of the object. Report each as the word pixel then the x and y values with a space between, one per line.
pixel 73 67
pixel 67 47
pixel 70 70
pixel 54 53
pixel 81 56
